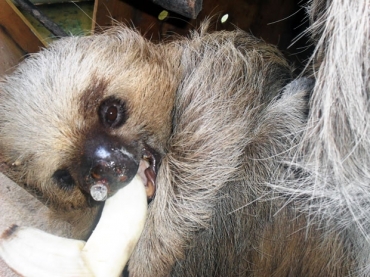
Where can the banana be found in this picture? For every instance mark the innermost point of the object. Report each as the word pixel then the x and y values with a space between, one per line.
pixel 35 253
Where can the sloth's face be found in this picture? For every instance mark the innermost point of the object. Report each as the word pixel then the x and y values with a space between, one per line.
pixel 111 148
pixel 82 118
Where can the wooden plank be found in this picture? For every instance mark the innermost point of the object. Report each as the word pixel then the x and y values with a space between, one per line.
pixel 143 15
pixel 187 8
pixel 18 27
pixel 74 18
pixel 29 7
pixel 10 53
pixel 37 2
pixel 275 21
pixel 107 11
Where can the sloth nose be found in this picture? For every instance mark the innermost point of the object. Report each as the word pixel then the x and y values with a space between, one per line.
pixel 101 171
pixel 107 166
pixel 116 163
pixel 104 172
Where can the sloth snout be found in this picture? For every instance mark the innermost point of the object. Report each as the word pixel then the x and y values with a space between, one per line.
pixel 107 166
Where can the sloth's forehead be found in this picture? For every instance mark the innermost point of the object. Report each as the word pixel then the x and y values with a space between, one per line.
pixel 68 75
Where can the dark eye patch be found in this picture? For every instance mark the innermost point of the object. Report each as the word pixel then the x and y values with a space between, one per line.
pixel 113 113
pixel 64 179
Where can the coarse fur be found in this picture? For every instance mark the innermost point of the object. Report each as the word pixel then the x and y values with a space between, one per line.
pixel 335 147
pixel 248 184
pixel 225 121
pixel 229 142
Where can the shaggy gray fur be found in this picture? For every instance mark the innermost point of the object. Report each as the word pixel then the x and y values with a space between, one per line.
pixel 335 147
pixel 261 174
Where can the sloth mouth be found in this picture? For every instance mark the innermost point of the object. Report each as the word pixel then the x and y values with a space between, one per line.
pixel 148 169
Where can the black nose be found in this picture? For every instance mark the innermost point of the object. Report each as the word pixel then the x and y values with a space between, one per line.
pixel 107 164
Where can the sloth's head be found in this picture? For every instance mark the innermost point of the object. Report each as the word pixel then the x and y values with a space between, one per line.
pixel 82 117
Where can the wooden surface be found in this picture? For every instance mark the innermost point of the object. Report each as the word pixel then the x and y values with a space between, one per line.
pixel 187 8
pixel 55 1
pixel 275 21
pixel 74 18
pixel 10 53
pixel 34 10
pixel 18 28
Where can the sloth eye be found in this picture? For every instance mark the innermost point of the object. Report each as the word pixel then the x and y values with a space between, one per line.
pixel 112 113
pixel 64 179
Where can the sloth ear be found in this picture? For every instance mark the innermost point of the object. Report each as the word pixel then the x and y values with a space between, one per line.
pixel 293 100
pixel 298 86
pixel 296 96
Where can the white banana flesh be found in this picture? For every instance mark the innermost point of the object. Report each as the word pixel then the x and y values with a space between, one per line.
pixel 34 253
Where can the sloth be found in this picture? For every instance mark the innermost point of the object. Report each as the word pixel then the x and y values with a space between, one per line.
pixel 215 124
